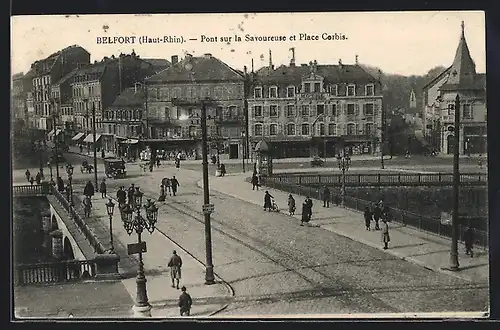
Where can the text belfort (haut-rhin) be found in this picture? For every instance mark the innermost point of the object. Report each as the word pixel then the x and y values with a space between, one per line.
pixel 225 39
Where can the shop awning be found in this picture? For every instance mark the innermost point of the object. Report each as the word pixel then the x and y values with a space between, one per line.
pixel 90 138
pixel 51 133
pixel 130 141
pixel 78 136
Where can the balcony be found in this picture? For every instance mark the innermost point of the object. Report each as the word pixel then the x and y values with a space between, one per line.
pixel 235 120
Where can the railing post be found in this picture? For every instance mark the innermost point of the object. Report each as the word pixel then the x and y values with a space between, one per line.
pixel 107 266
pixel 300 180
pixel 378 178
pixel 319 178
pixel 399 178
pixel 439 178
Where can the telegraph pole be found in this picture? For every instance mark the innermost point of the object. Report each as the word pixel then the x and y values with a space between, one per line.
pixel 95 150
pixel 454 265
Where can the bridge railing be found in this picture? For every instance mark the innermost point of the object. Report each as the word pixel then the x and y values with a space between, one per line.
pixel 381 179
pixel 30 190
pixel 54 272
pixel 418 221
pixel 86 230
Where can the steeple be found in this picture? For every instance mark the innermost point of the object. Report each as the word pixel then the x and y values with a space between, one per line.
pixel 463 69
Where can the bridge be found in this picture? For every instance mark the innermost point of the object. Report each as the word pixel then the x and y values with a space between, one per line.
pixel 79 252
pixel 379 179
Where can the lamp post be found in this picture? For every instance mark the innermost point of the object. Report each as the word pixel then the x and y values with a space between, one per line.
pixel 110 207
pixel 243 149
pixel 49 165
pixel 344 163
pixel 138 223
pixel 95 150
pixel 454 265
pixel 54 122
pixel 39 148
pixel 69 171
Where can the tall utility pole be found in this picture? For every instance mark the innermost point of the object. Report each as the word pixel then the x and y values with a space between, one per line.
pixel 454 265
pixel 95 150
pixel 55 140
pixel 382 136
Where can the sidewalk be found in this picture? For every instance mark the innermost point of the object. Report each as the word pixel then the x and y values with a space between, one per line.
pixel 421 248
pixel 207 299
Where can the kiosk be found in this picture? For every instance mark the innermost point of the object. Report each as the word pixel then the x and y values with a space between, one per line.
pixel 264 161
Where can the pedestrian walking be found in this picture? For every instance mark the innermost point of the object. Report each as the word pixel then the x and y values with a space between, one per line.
pixel 167 185
pixel 377 214
pixel 87 206
pixel 81 148
pixel 102 188
pixel 162 193
pixel 32 180
pixel 121 196
pixel 222 169
pixel 158 161
pixel 368 217
pixel 60 184
pixel 326 196
pixel 469 241
pixel 268 205
pixel 38 178
pixel 174 183
pixel 151 165
pixel 255 181
pixel 291 205
pixel 130 195
pixel 89 189
pixel 102 153
pixel 305 214
pixel 385 234
pixel 185 302
pixel 309 204
pixel 28 175
pixel 175 265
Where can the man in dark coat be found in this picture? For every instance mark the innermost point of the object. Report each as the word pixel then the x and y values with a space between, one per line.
pixel 121 196
pixel 38 178
pixel 255 181
pixel 305 214
pixel 27 174
pixel 102 188
pixel 130 194
pixel 326 196
pixel 377 214
pixel 89 189
pixel 60 184
pixel 166 183
pixel 309 204
pixel 222 169
pixel 469 241
pixel 368 217
pixel 185 302
pixel 174 183
pixel 267 201
pixel 175 265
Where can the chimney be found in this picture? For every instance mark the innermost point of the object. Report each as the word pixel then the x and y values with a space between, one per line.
pixel 292 61
pixel 270 61
pixel 340 61
pixel 113 57
pixel 357 63
pixel 95 62
pixel 207 55
pixel 252 65
pixel 245 70
pixel 174 59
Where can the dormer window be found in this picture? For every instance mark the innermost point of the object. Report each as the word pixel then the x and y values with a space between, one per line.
pixel 257 92
pixel 317 87
pixel 273 92
pixel 351 90
pixel 307 88
pixel 369 90
pixel 290 91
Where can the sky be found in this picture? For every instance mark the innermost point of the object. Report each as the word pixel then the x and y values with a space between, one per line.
pixel 404 43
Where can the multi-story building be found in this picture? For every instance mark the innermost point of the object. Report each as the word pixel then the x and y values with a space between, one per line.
pixel 470 86
pixel 21 86
pixel 97 86
pixel 173 107
pixel 315 109
pixel 48 71
pixel 61 93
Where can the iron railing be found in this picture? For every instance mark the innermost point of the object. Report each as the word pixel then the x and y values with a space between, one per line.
pixel 54 272
pixel 411 219
pixel 30 190
pixel 378 179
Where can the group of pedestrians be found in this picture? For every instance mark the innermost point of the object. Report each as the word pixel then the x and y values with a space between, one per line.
pixel 307 206
pixel 168 185
pixel 379 212
pixel 37 178
pixel 185 301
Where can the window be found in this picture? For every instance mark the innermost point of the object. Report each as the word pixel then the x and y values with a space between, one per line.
pixel 218 112
pixel 369 90
pixel 290 110
pixel 258 130
pixel 332 129
pixel 369 129
pixel 350 109
pixel 273 110
pixel 351 129
pixel 257 92
pixel 290 91
pixel 467 111
pixel 257 111
pixel 305 110
pixel 273 92
pixel 451 109
pixel 321 129
pixel 233 112
pixel 273 129
pixel 307 88
pixel 317 87
pixel 334 110
pixel 305 129
pixel 320 109
pixel 368 109
pixel 290 129
pixel 351 90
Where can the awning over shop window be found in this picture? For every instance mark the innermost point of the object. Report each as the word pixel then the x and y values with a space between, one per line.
pixel 90 138
pixel 51 133
pixel 130 141
pixel 78 136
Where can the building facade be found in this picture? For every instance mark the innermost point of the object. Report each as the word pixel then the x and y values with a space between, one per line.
pixel 313 109
pixel 48 71
pixel 61 93
pixel 470 86
pixel 21 86
pixel 173 106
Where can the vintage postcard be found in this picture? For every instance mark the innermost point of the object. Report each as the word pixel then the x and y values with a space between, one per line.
pixel 250 165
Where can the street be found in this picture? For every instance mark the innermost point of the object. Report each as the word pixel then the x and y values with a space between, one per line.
pixel 277 267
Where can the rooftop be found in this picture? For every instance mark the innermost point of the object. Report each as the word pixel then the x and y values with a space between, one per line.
pixel 130 97
pixel 66 77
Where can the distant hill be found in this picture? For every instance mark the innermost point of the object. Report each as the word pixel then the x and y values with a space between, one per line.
pixel 397 88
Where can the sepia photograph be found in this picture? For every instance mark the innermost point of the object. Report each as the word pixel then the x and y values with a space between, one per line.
pixel 249 166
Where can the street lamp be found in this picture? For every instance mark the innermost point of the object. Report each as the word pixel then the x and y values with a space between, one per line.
pixel 110 207
pixel 54 124
pixel 243 134
pixel 49 165
pixel 69 171
pixel 138 223
pixel 454 265
pixel 344 163
pixel 39 148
